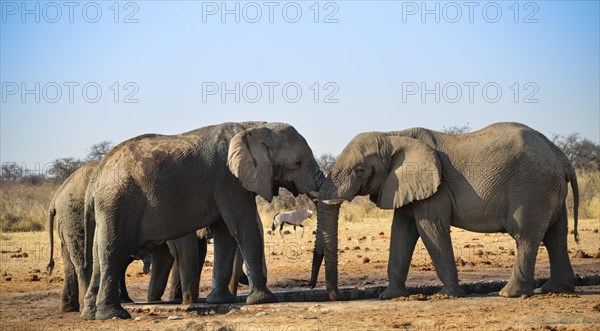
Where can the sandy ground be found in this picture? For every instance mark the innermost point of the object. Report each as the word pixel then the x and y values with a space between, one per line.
pixel 30 299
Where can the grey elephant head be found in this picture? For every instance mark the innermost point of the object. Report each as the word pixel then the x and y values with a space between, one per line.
pixel 392 170
pixel 271 156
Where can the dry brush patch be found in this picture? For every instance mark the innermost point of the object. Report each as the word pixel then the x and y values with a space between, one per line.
pixel 24 207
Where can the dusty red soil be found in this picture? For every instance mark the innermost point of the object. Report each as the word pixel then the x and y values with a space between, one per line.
pixel 28 304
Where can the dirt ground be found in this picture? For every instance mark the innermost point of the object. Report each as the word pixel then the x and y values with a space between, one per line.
pixel 30 298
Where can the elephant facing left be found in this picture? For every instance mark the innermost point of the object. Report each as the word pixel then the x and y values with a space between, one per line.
pixel 151 189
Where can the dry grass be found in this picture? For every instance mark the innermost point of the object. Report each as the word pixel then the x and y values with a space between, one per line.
pixel 589 195
pixel 24 207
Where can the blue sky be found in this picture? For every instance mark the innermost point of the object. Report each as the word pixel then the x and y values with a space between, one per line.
pixel 371 61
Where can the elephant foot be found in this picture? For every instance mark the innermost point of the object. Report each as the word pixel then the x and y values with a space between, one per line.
pixel 333 294
pixel 154 299
pixel 393 292
pixel 126 299
pixel 108 312
pixel 515 289
pixel 258 297
pixel 453 291
pixel 557 287
pixel 69 308
pixel 88 313
pixel 189 299
pixel 221 297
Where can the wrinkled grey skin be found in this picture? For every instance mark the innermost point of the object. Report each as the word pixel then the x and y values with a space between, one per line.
pixel 166 262
pixel 66 209
pixel 506 177
pixel 151 189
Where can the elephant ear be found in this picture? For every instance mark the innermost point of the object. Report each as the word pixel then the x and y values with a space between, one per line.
pixel 250 161
pixel 414 173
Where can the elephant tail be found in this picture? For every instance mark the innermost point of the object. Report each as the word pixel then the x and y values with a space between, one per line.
pixel 51 214
pixel 573 179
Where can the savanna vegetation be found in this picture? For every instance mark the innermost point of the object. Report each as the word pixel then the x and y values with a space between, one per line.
pixel 25 196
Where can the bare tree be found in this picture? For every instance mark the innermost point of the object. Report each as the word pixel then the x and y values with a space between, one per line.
pixel 11 172
pixel 455 129
pixel 325 162
pixel 64 167
pixel 582 152
pixel 97 151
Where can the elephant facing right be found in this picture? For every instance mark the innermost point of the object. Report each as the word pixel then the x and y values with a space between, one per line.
pixel 506 177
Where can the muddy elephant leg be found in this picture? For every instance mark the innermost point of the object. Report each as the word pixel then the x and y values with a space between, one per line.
pixel 123 294
pixel 185 251
pixel 402 245
pixel 162 261
pixel 562 277
pixel 225 247
pixel 70 292
pixel 436 238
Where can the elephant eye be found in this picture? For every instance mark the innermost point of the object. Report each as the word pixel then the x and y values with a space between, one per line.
pixel 359 170
pixel 297 164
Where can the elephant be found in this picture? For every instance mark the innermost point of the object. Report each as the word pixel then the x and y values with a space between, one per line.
pixel 66 209
pixel 155 188
pixel 506 178
pixel 165 259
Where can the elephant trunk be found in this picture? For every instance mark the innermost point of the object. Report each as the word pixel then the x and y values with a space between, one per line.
pixel 326 244
pixel 320 179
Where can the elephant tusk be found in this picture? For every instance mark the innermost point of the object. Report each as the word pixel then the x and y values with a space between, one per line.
pixel 333 202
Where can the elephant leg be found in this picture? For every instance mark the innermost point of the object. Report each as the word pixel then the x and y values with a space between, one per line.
pixel 238 209
pixel 238 271
pixel 252 249
pixel 521 281
pixel 402 245
pixel 225 247
pixel 562 277
pixel 123 294
pixel 70 292
pixel 89 308
pixel 175 292
pixel 185 251
pixel 162 261
pixel 528 227
pixel 111 257
pixel 435 234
